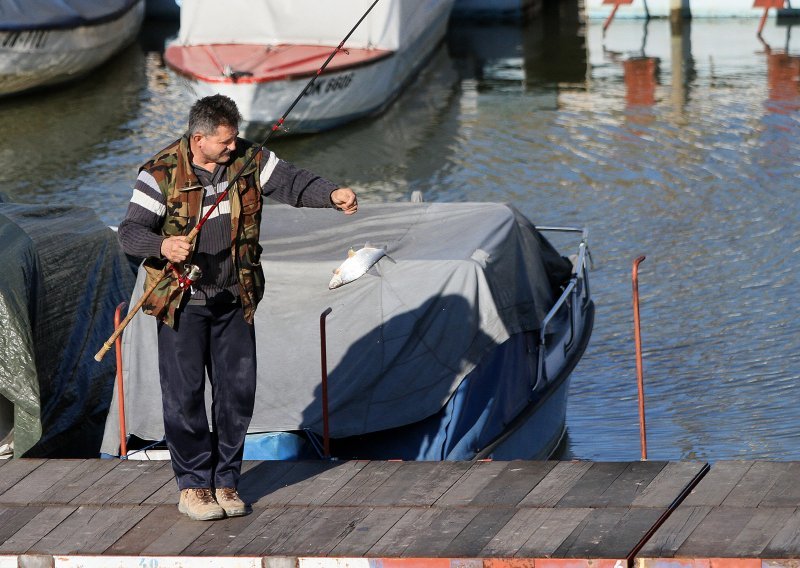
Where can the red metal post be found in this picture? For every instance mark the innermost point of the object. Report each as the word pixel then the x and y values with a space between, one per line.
pixel 326 440
pixel 639 369
pixel 123 442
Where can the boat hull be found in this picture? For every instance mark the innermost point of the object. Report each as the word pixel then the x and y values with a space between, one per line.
pixel 32 59
pixel 337 97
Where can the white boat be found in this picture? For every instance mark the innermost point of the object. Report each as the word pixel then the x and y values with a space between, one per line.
pixel 45 42
pixel 601 9
pixel 264 61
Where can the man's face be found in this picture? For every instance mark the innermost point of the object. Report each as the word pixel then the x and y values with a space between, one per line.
pixel 217 147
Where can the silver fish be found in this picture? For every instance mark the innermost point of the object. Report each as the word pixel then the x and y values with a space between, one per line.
pixel 356 265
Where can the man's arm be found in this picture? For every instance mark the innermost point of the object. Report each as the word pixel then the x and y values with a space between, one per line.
pixel 298 187
pixel 139 233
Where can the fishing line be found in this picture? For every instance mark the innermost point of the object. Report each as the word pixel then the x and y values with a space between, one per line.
pixel 171 267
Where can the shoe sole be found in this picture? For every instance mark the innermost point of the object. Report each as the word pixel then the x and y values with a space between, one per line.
pixel 210 516
pixel 235 512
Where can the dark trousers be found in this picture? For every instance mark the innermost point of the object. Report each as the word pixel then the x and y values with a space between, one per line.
pixel 216 339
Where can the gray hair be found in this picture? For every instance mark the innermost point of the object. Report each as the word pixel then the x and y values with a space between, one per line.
pixel 209 113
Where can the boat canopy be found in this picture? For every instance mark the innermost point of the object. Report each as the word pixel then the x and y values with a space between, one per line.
pixel 63 275
pixel 460 279
pixel 391 25
pixel 24 15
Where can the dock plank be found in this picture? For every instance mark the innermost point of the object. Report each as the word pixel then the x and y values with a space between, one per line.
pixel 151 527
pixel 479 532
pixel 149 481
pixel 514 483
pixel 327 483
pixel 759 531
pixel 417 484
pixel 423 529
pixel 546 539
pixel 668 484
pixel 15 470
pixel 90 530
pixel 560 480
pixel 179 535
pixel 304 477
pixel 263 480
pixel 608 532
pixel 522 531
pixel 262 522
pixel 717 484
pixel 471 483
pixel 588 490
pixel 369 531
pixel 14 518
pixel 219 534
pixel 358 490
pixel 674 532
pixel 755 484
pixel 30 487
pixel 786 543
pixel 116 480
pixel 281 528
pixel 630 484
pixel 75 482
pixel 36 529
pixel 716 532
pixel 785 492
pixel 329 525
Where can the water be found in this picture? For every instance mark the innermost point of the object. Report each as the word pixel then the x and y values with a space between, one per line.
pixel 690 159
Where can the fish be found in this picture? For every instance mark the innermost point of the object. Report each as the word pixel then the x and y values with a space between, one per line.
pixel 358 262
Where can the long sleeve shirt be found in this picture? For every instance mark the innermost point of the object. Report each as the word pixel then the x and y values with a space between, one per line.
pixel 140 231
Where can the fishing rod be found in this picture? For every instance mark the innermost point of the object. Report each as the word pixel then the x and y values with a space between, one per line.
pixel 172 267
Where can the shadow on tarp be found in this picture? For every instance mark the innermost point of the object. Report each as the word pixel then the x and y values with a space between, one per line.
pixel 64 274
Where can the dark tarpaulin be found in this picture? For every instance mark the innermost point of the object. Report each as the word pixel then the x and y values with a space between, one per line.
pixel 22 15
pixel 63 275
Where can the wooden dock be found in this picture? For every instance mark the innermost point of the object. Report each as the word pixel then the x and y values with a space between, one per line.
pixel 545 514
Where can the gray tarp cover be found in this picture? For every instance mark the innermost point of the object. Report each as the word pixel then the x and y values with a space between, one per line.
pixel 400 339
pixel 63 273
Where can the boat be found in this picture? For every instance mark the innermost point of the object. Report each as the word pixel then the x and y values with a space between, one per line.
pixel 496 10
pixel 46 42
pixel 601 9
pixel 264 61
pixel 457 346
pixel 64 274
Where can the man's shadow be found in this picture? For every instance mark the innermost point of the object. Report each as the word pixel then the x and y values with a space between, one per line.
pixel 395 379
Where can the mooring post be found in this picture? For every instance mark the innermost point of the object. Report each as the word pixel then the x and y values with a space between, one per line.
pixel 639 368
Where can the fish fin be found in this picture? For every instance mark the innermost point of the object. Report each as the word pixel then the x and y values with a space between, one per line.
pixel 390 258
pixel 351 253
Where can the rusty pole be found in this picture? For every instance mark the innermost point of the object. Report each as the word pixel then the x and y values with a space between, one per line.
pixel 123 443
pixel 639 369
pixel 326 439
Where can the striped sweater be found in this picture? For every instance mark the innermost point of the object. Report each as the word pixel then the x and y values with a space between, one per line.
pixel 140 231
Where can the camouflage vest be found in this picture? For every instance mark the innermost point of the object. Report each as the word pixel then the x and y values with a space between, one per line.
pixel 184 200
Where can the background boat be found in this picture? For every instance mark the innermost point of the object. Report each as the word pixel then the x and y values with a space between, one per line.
pixel 459 347
pixel 45 42
pixel 505 10
pixel 264 61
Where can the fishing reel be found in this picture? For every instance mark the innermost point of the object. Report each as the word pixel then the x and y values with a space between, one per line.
pixel 191 274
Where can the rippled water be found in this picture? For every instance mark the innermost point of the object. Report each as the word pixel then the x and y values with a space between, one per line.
pixel 685 149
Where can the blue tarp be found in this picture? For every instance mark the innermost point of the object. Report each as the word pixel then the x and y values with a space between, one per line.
pixel 63 275
pixel 23 15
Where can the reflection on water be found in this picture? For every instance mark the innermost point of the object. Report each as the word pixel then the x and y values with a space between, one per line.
pixel 679 144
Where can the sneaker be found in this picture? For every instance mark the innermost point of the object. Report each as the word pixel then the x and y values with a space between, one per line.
pixel 199 504
pixel 229 499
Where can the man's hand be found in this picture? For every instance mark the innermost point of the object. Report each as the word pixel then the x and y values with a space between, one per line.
pixel 175 249
pixel 344 199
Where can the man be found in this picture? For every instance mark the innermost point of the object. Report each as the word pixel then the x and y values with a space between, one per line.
pixel 208 326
